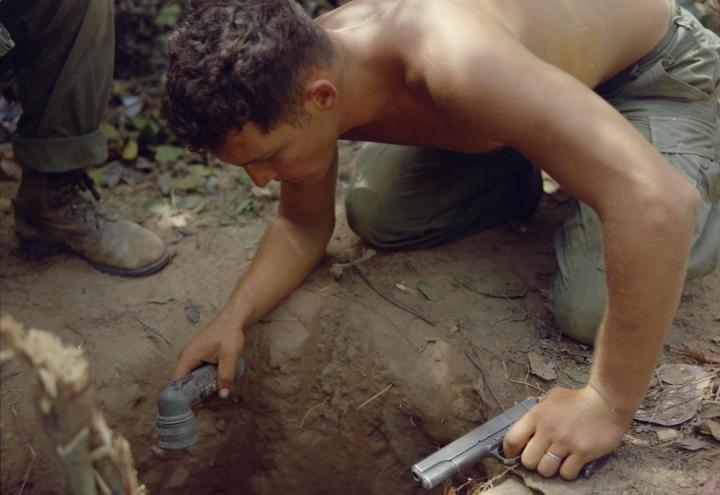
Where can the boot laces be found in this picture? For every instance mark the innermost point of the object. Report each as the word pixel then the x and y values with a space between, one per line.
pixel 68 197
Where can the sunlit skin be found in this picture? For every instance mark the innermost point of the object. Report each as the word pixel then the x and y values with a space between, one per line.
pixel 471 76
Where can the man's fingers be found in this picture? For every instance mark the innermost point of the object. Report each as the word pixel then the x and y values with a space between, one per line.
pixel 534 451
pixel 226 374
pixel 570 469
pixel 552 459
pixel 186 363
pixel 517 437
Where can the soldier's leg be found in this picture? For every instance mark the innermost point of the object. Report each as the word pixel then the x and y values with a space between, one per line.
pixel 669 97
pixel 64 60
pixel 410 197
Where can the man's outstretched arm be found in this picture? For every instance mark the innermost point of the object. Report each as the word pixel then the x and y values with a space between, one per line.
pixel 648 213
pixel 293 243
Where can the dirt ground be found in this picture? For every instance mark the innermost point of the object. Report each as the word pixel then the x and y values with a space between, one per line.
pixel 344 390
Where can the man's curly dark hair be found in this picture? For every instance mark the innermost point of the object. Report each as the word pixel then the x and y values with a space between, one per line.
pixel 237 61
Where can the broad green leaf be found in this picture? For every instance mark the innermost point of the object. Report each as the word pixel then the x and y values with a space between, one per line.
pixel 158 206
pixel 110 131
pixel 576 376
pixel 194 202
pixel 120 88
pixel 428 290
pixel 184 183
pixel 244 206
pixel 96 174
pixel 167 153
pixel 168 15
pixel 200 170
pixel 131 150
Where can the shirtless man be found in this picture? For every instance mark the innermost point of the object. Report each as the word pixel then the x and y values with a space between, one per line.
pixel 260 85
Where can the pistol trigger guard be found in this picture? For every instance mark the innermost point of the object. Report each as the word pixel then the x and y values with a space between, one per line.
pixel 497 453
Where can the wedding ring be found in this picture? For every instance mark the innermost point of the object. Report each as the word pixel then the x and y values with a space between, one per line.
pixel 553 456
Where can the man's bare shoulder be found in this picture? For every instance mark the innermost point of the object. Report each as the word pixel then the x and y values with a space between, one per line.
pixel 588 39
pixel 353 13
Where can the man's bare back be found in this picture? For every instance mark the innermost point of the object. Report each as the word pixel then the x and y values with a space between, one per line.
pixel 402 41
pixel 468 76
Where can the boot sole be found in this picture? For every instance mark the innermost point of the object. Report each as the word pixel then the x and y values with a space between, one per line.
pixel 47 249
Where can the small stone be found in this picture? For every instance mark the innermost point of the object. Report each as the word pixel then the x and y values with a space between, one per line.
pixel 212 185
pixel 221 425
pixel 157 451
pixel 667 435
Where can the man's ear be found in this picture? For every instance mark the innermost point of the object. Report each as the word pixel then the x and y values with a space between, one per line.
pixel 322 93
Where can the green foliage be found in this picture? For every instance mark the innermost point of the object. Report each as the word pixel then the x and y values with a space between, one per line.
pixel 168 16
pixel 167 153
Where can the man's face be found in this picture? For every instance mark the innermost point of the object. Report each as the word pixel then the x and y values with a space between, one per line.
pixel 287 153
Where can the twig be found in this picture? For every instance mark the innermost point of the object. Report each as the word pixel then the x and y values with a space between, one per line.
pixel 75 329
pixel 27 471
pixel 489 483
pixel 152 330
pixel 524 382
pixel 374 397
pixel 302 422
pixel 367 255
pixel 415 312
pixel 485 382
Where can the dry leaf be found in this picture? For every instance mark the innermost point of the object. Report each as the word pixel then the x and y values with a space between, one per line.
pixel 428 290
pixel 541 367
pixel 697 355
pixel 479 387
pixel 710 410
pixel 677 398
pixel 710 427
pixel 192 310
pixel 337 270
pixel 667 435
pixel 693 444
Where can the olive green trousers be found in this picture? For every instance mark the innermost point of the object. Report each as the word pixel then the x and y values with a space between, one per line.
pixel 410 197
pixel 63 64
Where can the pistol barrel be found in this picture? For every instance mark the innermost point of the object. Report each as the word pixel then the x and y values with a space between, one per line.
pixel 470 448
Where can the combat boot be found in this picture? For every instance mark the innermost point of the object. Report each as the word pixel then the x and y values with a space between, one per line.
pixel 53 215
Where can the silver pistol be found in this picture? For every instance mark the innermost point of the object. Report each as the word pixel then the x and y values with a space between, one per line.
pixel 484 441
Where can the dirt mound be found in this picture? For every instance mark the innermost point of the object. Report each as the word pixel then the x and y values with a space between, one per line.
pixel 344 390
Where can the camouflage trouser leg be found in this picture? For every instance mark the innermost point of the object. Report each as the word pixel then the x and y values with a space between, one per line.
pixel 408 197
pixel 670 97
pixel 63 61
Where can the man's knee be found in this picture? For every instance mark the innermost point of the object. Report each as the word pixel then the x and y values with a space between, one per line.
pixel 368 217
pixel 374 210
pixel 578 308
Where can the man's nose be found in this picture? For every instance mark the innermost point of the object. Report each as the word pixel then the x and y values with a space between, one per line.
pixel 261 174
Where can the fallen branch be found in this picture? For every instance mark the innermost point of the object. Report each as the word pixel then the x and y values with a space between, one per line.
pixel 152 330
pixel 28 470
pixel 415 312
pixel 88 448
pixel 374 397
pixel 305 416
pixel 484 379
